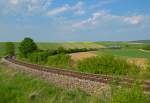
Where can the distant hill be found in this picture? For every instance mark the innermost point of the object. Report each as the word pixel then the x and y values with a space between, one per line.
pixel 141 41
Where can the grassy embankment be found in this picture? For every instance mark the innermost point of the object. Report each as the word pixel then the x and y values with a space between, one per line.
pixel 16 87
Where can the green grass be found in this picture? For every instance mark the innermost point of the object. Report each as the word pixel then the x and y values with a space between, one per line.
pixel 16 87
pixel 22 88
pixel 2 50
pixel 125 53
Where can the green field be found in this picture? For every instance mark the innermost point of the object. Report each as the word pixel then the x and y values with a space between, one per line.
pixel 135 53
pixel 129 49
pixel 126 45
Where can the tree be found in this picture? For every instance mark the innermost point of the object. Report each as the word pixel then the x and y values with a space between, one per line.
pixel 9 48
pixel 27 46
pixel 147 47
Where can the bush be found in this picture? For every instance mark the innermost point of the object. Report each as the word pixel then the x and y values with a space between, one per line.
pixel 147 47
pixel 60 60
pixel 27 46
pixel 135 94
pixel 62 50
pixel 106 64
pixel 38 57
pixel 9 49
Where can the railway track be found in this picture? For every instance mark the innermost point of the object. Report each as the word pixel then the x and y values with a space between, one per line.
pixel 86 76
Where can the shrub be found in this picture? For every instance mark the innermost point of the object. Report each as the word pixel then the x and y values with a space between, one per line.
pixel 135 94
pixel 147 47
pixel 59 60
pixel 38 57
pixel 9 48
pixel 106 64
pixel 27 46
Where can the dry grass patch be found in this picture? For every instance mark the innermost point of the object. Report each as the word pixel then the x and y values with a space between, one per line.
pixel 140 62
pixel 81 55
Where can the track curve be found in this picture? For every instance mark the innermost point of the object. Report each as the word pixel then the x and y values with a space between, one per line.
pixel 86 76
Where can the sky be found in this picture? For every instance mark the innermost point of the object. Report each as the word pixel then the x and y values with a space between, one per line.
pixel 74 20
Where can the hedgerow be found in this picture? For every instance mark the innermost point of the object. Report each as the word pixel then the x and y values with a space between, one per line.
pixel 38 57
pixel 61 50
pixel 59 60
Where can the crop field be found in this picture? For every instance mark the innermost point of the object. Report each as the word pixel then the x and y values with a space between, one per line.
pixel 127 45
pixel 134 53
pixel 69 45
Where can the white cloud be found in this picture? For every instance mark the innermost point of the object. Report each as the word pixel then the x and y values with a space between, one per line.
pixel 58 10
pixel 106 18
pixel 38 5
pixel 133 20
pixel 90 20
pixel 14 2
pixel 78 8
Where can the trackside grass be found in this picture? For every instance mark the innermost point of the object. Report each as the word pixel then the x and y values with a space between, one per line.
pixel 16 87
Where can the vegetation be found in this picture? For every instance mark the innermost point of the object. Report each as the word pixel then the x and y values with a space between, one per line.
pixel 9 49
pixel 147 47
pixel 38 57
pixel 106 64
pixel 27 46
pixel 134 94
pixel 59 60
pixel 16 87
pixel 135 53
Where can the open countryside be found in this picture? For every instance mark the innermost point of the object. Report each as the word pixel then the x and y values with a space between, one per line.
pixel 94 51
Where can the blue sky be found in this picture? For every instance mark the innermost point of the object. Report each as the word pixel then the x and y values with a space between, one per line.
pixel 74 20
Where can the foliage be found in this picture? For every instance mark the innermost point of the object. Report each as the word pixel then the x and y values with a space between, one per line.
pixel 147 47
pixel 9 49
pixel 134 94
pixel 62 50
pixel 27 46
pixel 59 60
pixel 106 64
pixel 38 57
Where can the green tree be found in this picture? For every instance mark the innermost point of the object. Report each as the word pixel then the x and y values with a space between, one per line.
pixel 9 48
pixel 27 46
pixel 147 47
